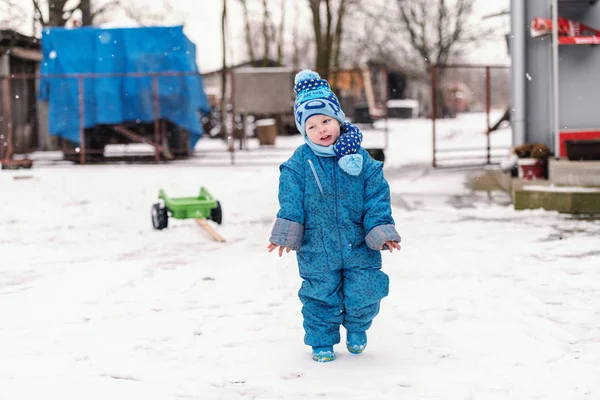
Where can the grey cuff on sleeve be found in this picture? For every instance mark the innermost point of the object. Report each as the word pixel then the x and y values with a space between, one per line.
pixel 287 234
pixel 381 234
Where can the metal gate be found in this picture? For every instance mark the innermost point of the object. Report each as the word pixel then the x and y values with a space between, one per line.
pixel 470 115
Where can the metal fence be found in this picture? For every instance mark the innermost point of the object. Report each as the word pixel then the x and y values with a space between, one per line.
pixel 470 115
pixel 247 97
pixel 24 120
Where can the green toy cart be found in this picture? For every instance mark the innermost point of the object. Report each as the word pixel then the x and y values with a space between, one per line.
pixel 199 208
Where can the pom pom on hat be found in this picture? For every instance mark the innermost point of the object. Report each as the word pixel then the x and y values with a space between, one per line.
pixel 307 82
pixel 306 74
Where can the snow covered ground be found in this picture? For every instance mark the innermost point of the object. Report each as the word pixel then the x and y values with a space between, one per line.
pixel 485 303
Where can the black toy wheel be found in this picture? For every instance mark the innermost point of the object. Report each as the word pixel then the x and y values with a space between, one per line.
pixel 160 218
pixel 216 214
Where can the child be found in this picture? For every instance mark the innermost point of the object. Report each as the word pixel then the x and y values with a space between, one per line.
pixel 335 212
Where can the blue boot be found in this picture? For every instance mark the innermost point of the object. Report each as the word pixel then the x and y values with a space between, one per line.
pixel 323 354
pixel 356 342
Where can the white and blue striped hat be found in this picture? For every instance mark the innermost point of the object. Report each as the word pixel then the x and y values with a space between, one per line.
pixel 314 97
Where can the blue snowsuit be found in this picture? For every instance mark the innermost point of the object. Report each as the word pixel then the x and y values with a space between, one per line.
pixel 337 223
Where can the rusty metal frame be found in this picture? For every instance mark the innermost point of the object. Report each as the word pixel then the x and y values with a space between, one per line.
pixel 434 111
pixel 158 148
pixel 7 153
pixel 159 131
pixel 159 127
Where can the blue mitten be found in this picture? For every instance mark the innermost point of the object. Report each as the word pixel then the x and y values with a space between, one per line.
pixel 346 148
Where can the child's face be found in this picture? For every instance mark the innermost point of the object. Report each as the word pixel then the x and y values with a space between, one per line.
pixel 322 130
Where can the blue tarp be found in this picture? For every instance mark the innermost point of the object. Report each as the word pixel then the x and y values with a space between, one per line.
pixel 121 99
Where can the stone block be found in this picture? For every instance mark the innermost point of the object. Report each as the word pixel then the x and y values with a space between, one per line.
pixel 570 200
pixel 574 173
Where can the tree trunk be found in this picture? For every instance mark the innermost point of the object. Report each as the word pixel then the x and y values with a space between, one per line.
pixel 328 38
pixel 315 7
pixel 248 32
pixel 38 17
pixel 295 40
pixel 280 35
pixel 55 12
pixel 87 17
pixel 337 39
pixel 435 29
pixel 265 31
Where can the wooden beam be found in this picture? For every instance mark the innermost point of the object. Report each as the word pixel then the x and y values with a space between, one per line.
pixel 163 149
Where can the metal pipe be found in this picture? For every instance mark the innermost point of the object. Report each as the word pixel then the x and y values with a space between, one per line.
pixel 386 99
pixel 518 71
pixel 103 75
pixel 4 112
pixel 234 125
pixel 156 117
pixel 9 123
pixel 488 106
pixel 433 110
pixel 81 121
pixel 555 91
pixel 163 133
pixel 225 115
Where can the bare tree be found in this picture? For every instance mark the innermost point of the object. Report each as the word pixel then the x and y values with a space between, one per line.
pixel 321 43
pixel 378 18
pixel 11 14
pixel 90 14
pixel 281 33
pixel 337 37
pixel 271 34
pixel 56 12
pixel 328 23
pixel 436 30
pixel 266 25
pixel 412 35
pixel 248 32
pixel 163 13
pixel 295 39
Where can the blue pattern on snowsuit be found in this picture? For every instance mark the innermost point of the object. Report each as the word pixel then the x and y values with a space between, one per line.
pixel 337 223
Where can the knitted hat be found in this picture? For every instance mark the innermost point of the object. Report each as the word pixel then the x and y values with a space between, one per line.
pixel 314 97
